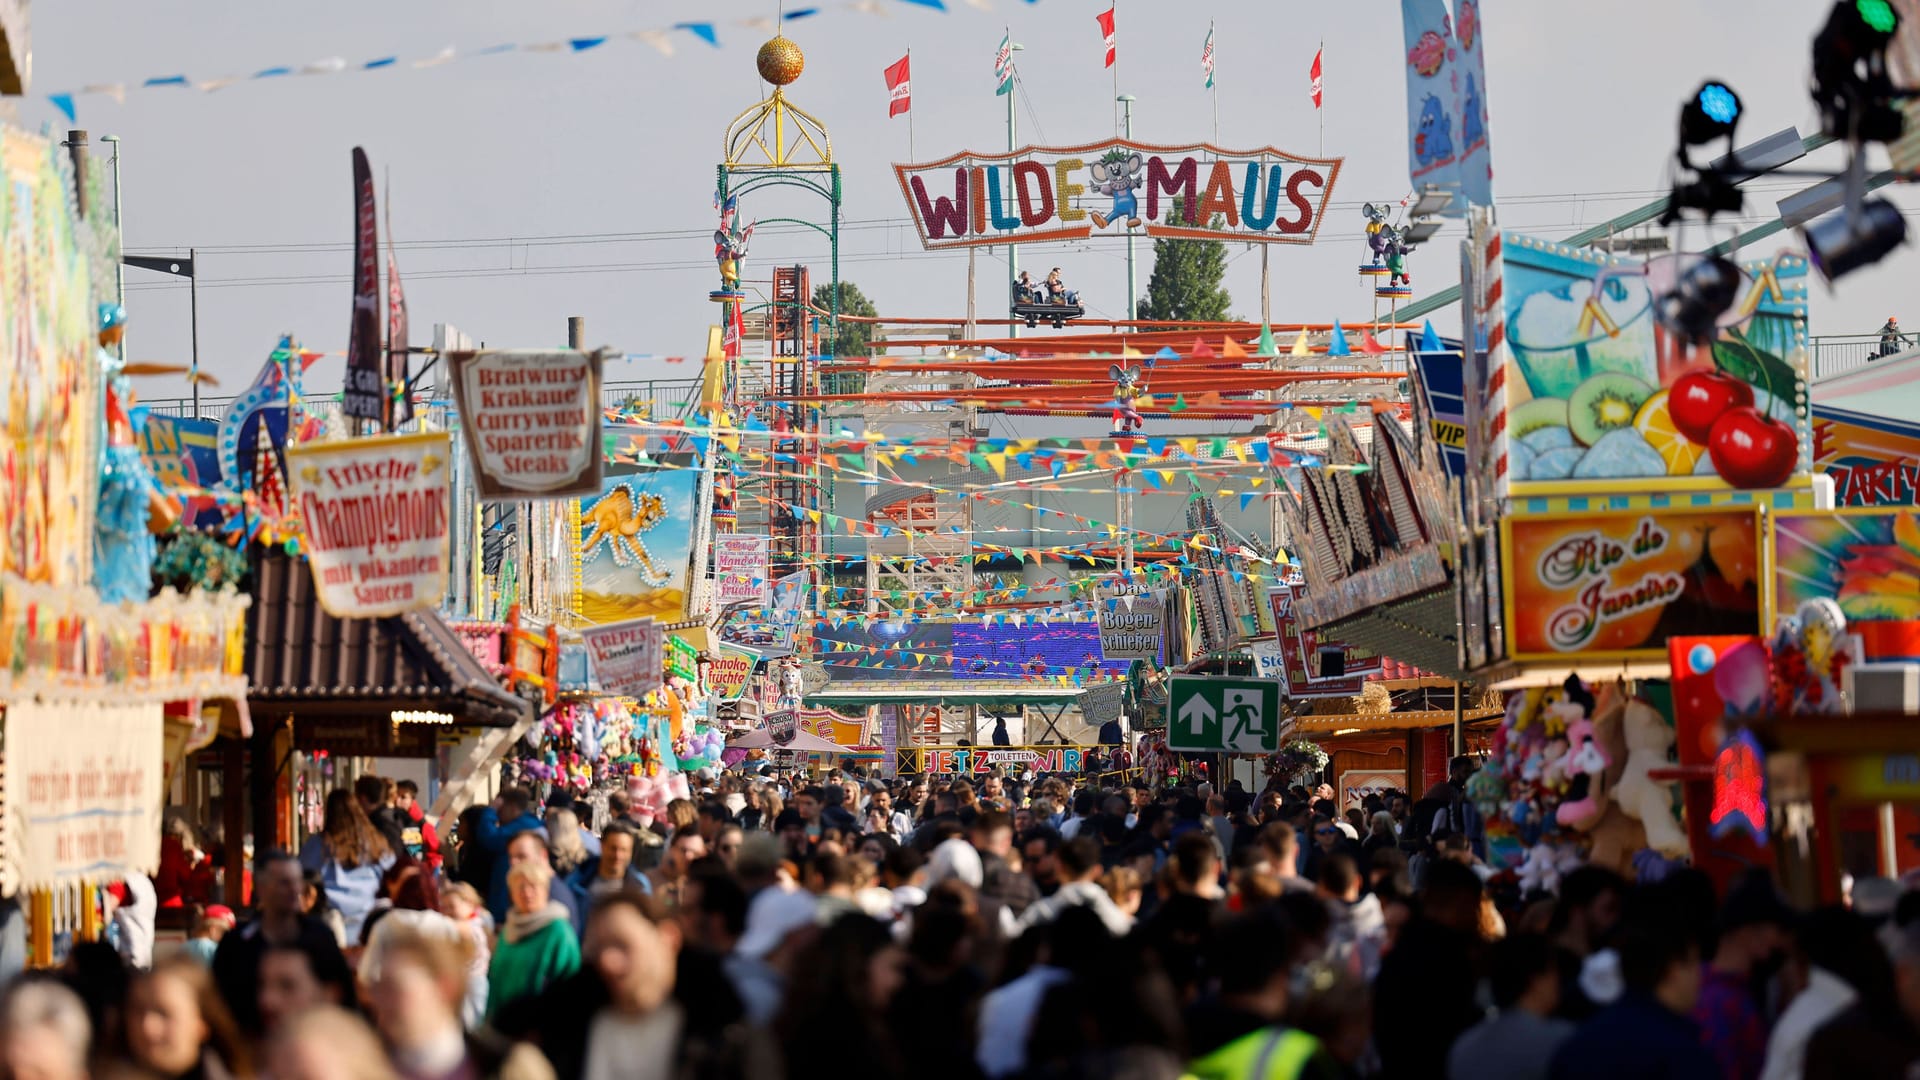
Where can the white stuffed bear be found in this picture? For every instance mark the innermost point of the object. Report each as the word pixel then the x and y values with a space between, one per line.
pixel 1541 872
pixel 1648 738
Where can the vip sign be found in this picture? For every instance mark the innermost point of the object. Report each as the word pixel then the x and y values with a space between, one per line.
pixel 1070 193
pixel 374 519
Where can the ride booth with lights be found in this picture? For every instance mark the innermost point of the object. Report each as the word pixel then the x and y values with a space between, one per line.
pixel 1799 750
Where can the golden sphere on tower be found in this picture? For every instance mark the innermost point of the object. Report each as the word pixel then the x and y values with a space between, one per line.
pixel 780 61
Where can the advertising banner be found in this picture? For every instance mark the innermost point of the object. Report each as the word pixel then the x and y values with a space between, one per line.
pixel 1298 652
pixel 374 520
pixel 1867 560
pixel 1357 784
pixel 1873 460
pixel 364 395
pixel 1598 397
pixel 1619 585
pixel 783 726
pixel 83 791
pixel 730 672
pixel 968 760
pixel 626 656
pixel 531 419
pixel 1132 624
pixel 636 545
pixel 1196 191
pixel 740 569
pixel 1434 138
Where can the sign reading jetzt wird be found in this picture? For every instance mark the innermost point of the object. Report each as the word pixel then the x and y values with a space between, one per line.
pixel 531 420
pixel 1071 193
pixel 373 518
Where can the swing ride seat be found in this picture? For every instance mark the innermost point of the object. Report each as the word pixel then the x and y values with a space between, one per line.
pixel 1056 314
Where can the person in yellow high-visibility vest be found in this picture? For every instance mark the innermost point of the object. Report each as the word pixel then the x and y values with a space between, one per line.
pixel 1235 1031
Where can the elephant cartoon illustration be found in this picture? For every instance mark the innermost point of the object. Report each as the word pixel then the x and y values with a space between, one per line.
pixel 1433 138
pixel 1127 392
pixel 1119 174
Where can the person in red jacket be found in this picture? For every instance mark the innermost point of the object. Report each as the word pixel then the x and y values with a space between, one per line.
pixel 421 840
pixel 186 872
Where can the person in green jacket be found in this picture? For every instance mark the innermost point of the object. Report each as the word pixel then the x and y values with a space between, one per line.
pixel 537 947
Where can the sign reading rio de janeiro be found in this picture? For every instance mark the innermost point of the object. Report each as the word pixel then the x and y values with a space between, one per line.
pixel 1070 193
pixel 1618 585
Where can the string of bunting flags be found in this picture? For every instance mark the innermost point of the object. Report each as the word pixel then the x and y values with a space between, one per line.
pixel 665 40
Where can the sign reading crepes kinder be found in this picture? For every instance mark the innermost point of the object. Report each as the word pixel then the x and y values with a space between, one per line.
pixel 740 573
pixel 83 791
pixel 374 516
pixel 532 421
pixel 626 655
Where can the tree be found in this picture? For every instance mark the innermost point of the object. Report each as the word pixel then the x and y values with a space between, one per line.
pixel 853 338
pixel 1186 281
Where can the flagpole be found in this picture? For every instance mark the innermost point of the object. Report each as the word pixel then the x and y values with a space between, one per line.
pixel 1116 57
pixel 1322 110
pixel 909 104
pixel 1013 250
pixel 1214 83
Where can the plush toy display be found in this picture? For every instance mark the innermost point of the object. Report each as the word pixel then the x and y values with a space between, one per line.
pixel 1648 739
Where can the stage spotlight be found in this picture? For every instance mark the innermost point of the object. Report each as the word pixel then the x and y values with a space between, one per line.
pixel 1710 114
pixel 1841 243
pixel 1703 291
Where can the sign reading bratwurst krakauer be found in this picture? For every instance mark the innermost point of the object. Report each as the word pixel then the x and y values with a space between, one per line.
pixel 374 519
pixel 531 419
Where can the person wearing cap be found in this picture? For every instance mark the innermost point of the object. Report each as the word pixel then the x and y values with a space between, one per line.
pixel 1752 944
pixel 1890 342
pixel 209 926
pixel 759 965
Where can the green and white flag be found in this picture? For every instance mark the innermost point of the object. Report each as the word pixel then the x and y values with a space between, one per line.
pixel 1003 65
pixel 1206 57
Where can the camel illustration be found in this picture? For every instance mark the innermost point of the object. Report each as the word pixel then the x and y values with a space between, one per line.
pixel 618 520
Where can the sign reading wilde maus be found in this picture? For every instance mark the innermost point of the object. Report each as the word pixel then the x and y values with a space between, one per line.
pixel 532 421
pixel 1068 193
pixel 374 517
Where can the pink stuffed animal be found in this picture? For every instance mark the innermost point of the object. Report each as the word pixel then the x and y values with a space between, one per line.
pixel 1586 769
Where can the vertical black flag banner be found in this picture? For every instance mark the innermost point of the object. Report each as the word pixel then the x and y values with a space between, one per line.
pixel 397 350
pixel 364 396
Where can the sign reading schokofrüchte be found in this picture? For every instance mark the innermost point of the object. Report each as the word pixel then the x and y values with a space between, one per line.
pixel 1070 193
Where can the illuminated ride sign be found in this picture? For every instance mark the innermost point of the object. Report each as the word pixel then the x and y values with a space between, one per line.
pixel 1070 193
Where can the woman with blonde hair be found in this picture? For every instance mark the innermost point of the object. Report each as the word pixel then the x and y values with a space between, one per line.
pixel 177 1025
pixel 351 857
pixel 328 1043
pixel 537 946
pixel 682 814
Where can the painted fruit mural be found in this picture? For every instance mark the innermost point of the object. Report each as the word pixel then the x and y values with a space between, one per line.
pixel 1597 390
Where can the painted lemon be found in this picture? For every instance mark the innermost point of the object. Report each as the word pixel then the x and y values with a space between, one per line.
pixel 1655 425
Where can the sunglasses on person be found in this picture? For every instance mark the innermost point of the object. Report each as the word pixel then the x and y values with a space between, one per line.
pixel 1328 832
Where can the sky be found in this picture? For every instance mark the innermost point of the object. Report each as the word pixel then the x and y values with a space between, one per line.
pixel 527 187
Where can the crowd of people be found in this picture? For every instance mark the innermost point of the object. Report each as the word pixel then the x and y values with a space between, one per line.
pixel 971 929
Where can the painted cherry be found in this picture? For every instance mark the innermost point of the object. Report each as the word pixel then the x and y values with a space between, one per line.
pixel 1751 450
pixel 1700 398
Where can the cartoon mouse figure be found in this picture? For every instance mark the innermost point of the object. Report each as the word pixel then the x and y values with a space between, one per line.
pixel 1126 391
pixel 1119 174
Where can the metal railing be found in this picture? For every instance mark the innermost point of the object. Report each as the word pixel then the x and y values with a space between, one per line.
pixel 1836 354
pixel 663 398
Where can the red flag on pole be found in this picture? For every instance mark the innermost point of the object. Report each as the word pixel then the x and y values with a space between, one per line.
pixel 1106 29
pixel 899 88
pixel 1314 74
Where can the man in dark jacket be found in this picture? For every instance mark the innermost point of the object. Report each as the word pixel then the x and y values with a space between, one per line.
pixel 638 996
pixel 278 885
pixel 1880 1034
pixel 1425 992
pixel 1649 1033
